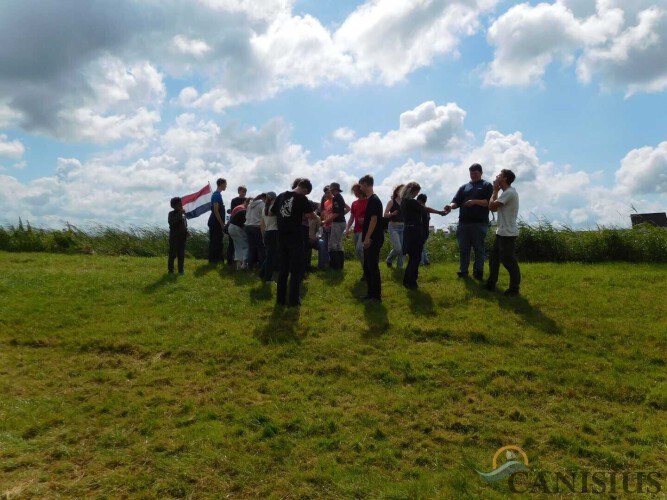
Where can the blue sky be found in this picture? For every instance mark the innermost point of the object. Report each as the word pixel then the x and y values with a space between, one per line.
pixel 108 110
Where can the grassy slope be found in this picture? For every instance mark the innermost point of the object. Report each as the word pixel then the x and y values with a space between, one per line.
pixel 117 380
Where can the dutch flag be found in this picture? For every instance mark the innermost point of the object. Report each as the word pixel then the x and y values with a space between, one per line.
pixel 197 203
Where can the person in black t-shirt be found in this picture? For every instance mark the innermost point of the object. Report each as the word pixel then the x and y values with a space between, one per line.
pixel 372 236
pixel 414 214
pixel 178 233
pixel 291 207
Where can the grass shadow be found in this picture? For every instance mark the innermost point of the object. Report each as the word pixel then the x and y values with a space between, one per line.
pixel 164 280
pixel 281 326
pixel 332 277
pixel 519 305
pixel 203 270
pixel 421 303
pixel 377 321
pixel 261 293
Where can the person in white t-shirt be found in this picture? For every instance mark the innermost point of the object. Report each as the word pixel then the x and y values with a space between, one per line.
pixel 507 207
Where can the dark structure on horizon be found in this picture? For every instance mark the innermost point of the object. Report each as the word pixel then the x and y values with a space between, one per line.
pixel 657 219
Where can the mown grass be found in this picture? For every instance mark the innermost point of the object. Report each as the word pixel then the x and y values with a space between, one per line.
pixel 118 380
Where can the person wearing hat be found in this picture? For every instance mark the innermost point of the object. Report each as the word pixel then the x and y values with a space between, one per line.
pixel 472 199
pixel 339 209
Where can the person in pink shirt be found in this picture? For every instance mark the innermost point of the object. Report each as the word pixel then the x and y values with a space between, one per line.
pixel 358 210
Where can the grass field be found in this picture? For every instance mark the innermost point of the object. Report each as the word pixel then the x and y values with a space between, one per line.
pixel 117 380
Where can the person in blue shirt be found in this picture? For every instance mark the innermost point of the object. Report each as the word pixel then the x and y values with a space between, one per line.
pixel 472 199
pixel 216 223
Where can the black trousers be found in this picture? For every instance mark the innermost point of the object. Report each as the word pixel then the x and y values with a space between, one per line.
pixel 256 252
pixel 176 251
pixel 372 269
pixel 413 244
pixel 271 261
pixel 504 252
pixel 215 245
pixel 291 267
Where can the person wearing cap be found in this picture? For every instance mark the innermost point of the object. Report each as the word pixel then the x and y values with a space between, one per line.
pixel 216 223
pixel 338 209
pixel 472 200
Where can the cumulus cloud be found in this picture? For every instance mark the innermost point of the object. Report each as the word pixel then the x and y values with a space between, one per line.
pixel 343 134
pixel 644 171
pixel 392 39
pixel 11 149
pixel 428 128
pixel 619 44
pixel 185 45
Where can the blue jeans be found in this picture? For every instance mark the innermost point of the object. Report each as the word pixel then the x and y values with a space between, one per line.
pixel 396 238
pixel 471 236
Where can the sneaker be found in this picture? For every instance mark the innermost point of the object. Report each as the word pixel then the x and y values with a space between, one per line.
pixel 411 286
pixel 491 287
pixel 181 274
pixel 462 275
pixel 511 293
pixel 478 277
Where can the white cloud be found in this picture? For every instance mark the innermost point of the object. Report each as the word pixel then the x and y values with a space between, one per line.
pixel 393 38
pixel 193 47
pixel 618 44
pixel 343 134
pixel 11 149
pixel 428 128
pixel 644 171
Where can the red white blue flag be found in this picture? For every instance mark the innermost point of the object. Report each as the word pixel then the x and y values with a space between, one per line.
pixel 197 203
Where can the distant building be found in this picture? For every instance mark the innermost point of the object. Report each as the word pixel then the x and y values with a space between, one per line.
pixel 657 219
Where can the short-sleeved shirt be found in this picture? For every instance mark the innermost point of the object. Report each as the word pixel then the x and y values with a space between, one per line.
pixel 508 213
pixel 216 197
pixel 373 207
pixel 338 207
pixel 358 211
pixel 480 190
pixel 290 207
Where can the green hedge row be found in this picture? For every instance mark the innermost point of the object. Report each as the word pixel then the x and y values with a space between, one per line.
pixel 537 243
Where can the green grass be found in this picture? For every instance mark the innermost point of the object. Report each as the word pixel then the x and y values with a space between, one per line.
pixel 117 380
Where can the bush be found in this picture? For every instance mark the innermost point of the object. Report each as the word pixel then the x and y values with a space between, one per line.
pixel 537 243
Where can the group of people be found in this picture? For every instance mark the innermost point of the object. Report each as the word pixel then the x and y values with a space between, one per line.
pixel 272 232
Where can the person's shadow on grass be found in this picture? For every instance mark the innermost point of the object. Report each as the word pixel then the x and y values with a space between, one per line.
pixel 281 326
pixel 519 305
pixel 377 321
pixel 166 279
pixel 375 313
pixel 421 303
pixel 203 270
